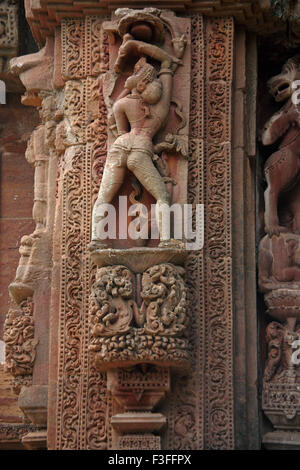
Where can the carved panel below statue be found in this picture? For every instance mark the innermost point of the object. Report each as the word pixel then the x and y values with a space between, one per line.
pixel 139 319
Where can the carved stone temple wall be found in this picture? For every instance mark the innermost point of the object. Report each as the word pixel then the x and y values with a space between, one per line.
pixel 128 343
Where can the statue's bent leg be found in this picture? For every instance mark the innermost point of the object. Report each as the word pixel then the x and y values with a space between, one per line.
pixel 112 179
pixel 141 165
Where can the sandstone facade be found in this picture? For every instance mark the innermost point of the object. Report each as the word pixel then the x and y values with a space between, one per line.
pixel 137 343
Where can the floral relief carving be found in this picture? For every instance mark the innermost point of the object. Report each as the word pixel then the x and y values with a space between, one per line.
pixel 8 28
pixel 142 109
pixel 20 343
pixel 219 433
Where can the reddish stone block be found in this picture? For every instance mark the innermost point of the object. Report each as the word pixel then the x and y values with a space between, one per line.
pixel 16 186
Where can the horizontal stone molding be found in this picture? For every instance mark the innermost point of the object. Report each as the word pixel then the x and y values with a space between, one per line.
pixel 45 15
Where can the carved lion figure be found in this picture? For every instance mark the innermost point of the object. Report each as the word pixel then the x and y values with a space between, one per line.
pixel 282 168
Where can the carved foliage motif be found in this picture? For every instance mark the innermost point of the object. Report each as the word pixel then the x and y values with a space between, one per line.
pixel 82 41
pixel 279 367
pixel 20 342
pixel 111 302
pixel 122 330
pixel 74 103
pixel 96 394
pixel 99 146
pixel 70 327
pixel 209 282
pixel 164 300
pixel 185 407
pixel 14 432
pixel 139 442
pixel 73 48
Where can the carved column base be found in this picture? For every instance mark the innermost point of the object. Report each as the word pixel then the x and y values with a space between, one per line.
pixel 35 440
pixel 283 304
pixel 138 311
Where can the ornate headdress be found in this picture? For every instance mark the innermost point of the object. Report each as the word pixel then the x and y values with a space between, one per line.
pixel 145 71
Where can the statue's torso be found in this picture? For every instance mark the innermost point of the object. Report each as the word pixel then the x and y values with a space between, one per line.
pixel 141 116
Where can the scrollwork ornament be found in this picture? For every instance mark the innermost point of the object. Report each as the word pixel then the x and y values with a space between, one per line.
pixel 20 342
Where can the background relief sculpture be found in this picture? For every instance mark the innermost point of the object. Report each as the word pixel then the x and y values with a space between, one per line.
pixel 279 250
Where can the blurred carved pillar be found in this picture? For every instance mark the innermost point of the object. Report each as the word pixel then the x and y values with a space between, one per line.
pixel 148 342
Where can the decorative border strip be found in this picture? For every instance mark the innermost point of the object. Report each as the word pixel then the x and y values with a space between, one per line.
pixel 219 410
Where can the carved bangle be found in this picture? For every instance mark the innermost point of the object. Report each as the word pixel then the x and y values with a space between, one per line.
pixel 165 71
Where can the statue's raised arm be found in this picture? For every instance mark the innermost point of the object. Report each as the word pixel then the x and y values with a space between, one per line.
pixel 164 79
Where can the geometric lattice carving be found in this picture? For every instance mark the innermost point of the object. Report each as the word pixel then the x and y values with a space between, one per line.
pixel 139 442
